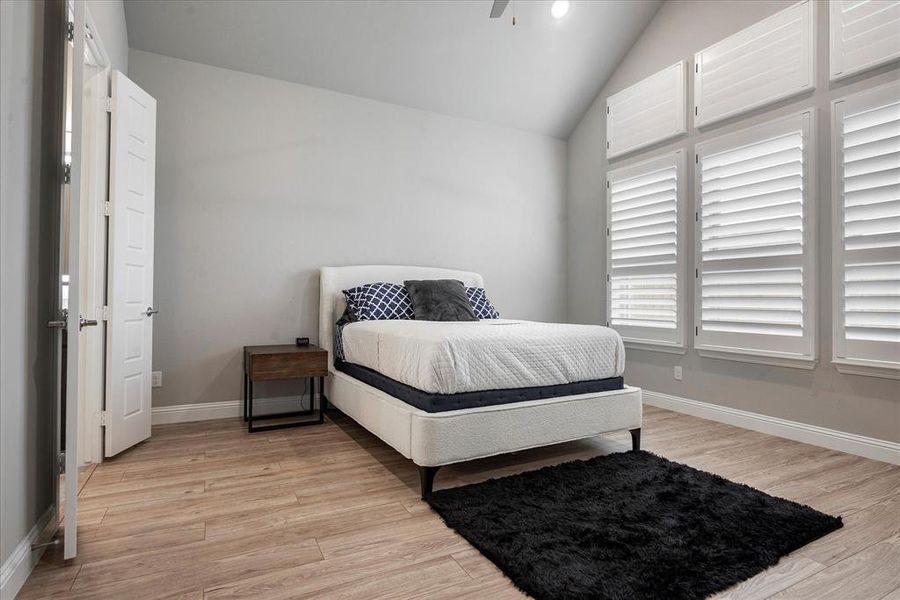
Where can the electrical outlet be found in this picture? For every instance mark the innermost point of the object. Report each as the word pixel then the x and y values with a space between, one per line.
pixel 678 373
pixel 156 379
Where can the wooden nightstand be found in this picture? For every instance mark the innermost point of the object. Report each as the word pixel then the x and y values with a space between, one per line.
pixel 286 361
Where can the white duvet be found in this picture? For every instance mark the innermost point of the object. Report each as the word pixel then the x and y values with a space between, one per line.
pixel 454 357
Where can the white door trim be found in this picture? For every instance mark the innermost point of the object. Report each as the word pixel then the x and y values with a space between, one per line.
pixel 95 182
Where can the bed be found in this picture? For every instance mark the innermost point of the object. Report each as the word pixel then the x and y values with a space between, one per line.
pixel 449 421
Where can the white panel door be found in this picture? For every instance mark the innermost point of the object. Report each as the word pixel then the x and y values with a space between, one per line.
pixel 130 326
pixel 650 111
pixel 766 62
pixel 74 322
pixel 864 34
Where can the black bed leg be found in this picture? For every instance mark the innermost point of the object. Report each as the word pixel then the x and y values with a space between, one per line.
pixel 636 439
pixel 426 478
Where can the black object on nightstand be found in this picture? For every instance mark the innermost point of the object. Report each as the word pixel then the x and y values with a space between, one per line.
pixel 286 361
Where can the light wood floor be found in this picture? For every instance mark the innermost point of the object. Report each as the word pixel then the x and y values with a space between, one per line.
pixel 205 510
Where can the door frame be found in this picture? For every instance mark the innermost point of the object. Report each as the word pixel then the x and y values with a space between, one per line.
pixel 95 190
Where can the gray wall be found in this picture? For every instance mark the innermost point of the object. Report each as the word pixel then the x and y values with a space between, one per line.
pixel 25 442
pixel 824 397
pixel 26 399
pixel 260 182
pixel 109 19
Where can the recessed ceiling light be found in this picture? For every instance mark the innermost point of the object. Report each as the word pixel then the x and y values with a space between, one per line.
pixel 559 9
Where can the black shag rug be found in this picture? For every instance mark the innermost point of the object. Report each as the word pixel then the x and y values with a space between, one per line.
pixel 627 526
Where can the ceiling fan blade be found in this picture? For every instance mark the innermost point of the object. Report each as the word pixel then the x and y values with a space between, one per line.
pixel 498 8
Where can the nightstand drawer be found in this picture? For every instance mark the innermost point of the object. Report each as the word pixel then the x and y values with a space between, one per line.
pixel 265 367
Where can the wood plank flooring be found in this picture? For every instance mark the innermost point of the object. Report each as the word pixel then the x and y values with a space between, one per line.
pixel 207 511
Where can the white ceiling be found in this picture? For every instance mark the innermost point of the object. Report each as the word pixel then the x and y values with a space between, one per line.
pixel 445 56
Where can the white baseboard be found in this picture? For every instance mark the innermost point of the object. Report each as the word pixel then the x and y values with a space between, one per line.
pixel 205 411
pixel 18 566
pixel 833 439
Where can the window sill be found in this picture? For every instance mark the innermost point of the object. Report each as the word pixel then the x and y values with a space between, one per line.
pixel 762 359
pixel 651 347
pixel 850 367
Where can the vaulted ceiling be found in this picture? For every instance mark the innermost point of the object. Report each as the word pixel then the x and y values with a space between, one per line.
pixel 444 56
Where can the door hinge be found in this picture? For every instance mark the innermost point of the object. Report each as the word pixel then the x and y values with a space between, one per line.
pixel 697 158
pixel 696 67
pixel 697 217
pixel 109 105
pixel 67 173
pixel 696 273
pixel 61 462
pixel 104 313
pixel 107 209
pixel 607 110
pixel 607 145
pixel 70 31
pixel 696 331
pixel 104 418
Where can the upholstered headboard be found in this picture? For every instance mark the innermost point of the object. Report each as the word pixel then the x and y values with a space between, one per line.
pixel 333 280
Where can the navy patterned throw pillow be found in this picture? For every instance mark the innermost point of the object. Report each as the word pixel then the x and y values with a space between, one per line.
pixel 481 306
pixel 355 298
pixel 379 302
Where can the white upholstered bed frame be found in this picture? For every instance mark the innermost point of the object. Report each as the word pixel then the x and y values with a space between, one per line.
pixel 432 440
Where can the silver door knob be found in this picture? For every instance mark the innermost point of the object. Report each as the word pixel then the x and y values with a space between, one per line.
pixel 151 311
pixel 82 322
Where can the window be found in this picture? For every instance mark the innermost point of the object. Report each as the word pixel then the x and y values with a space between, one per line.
pixel 644 256
pixel 755 251
pixel 863 35
pixel 648 112
pixel 866 188
pixel 764 63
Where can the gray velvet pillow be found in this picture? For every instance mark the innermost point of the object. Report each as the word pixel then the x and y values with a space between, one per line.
pixel 440 300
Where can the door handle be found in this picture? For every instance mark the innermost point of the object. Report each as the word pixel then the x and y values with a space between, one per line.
pixel 151 311
pixel 82 322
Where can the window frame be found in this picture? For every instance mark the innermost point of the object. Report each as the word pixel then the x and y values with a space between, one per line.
pixel 804 355
pixel 631 336
pixel 863 100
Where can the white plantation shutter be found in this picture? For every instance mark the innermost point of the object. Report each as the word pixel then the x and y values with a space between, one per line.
pixel 864 35
pixel 867 221
pixel 768 61
pixel 754 254
pixel 650 111
pixel 644 251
